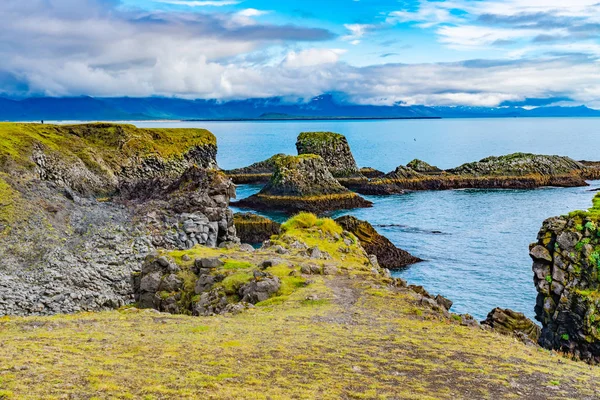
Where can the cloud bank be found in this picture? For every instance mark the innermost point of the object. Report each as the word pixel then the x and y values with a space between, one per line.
pixel 99 48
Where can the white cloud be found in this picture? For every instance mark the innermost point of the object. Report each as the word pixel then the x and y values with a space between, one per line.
pixel 357 31
pixel 312 57
pixel 199 3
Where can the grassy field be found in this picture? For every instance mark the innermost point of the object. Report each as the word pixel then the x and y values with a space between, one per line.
pixel 345 336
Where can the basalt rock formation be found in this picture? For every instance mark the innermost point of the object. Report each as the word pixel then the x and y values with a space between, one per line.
pixel 513 171
pixel 81 206
pixel 509 322
pixel 388 255
pixel 567 277
pixel 333 148
pixel 259 172
pixel 303 183
pixel 253 228
pixel 371 173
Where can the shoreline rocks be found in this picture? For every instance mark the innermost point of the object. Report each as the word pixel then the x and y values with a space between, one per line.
pixel 566 266
pixel 259 172
pixel 253 228
pixel 333 149
pixel 513 171
pixel 512 323
pixel 388 255
pixel 303 183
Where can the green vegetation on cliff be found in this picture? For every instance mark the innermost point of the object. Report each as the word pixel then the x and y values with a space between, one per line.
pixel 352 333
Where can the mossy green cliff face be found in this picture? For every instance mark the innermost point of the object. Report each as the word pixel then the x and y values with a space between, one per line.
pixel 333 148
pixel 303 183
pixel 567 277
pixel 513 171
pixel 82 205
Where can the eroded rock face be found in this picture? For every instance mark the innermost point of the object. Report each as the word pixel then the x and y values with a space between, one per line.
pixel 509 322
pixel 253 228
pixel 388 255
pixel 259 172
pixel 333 148
pixel 422 167
pixel 303 183
pixel 95 200
pixel 566 265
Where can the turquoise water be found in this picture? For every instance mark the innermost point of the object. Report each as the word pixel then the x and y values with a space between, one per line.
pixel 475 242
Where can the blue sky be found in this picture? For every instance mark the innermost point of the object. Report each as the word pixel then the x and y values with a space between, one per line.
pixel 455 52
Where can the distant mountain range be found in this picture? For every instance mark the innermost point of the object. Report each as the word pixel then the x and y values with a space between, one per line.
pixel 275 108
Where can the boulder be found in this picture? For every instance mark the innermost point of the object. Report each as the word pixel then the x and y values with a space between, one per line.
pixel 253 228
pixel 259 289
pixel 303 183
pixel 388 255
pixel 333 148
pixel 509 322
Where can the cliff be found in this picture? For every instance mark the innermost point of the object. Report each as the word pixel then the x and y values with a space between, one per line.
pixel 566 275
pixel 303 183
pixel 259 172
pixel 82 205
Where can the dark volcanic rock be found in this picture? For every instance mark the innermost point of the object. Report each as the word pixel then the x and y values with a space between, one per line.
pixel 513 171
pixel 259 172
pixel 371 173
pixel 509 322
pixel 388 255
pixel 423 168
pixel 253 228
pixel 303 183
pixel 95 200
pixel 333 148
pixel 566 275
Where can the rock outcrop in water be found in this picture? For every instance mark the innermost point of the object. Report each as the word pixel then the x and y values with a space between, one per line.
pixel 259 172
pixel 81 206
pixel 567 277
pixel 333 148
pixel 388 255
pixel 513 171
pixel 253 228
pixel 303 183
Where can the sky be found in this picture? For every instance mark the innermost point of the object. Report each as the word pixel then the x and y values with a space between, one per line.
pixel 407 52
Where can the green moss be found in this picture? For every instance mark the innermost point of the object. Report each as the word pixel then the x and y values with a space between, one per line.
pixel 236 264
pixel 234 282
pixel 316 138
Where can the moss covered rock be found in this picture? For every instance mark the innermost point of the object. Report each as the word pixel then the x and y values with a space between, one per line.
pixel 333 148
pixel 423 167
pixel 388 255
pixel 566 266
pixel 259 172
pixel 509 322
pixel 253 228
pixel 303 183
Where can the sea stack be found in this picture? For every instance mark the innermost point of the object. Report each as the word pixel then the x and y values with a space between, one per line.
pixel 303 183
pixel 254 228
pixel 333 148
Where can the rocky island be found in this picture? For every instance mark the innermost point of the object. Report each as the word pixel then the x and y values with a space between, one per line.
pixel 513 171
pixel 303 183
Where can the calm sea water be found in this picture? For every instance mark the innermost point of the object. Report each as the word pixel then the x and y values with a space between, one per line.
pixel 475 242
